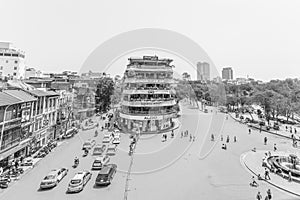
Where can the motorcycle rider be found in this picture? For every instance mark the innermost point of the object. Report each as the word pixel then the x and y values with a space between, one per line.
pixel 76 160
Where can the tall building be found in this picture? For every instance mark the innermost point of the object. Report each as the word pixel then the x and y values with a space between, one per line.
pixel 12 62
pixel 227 73
pixel 203 71
pixel 148 102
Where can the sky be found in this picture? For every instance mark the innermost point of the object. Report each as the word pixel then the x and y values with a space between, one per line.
pixel 258 38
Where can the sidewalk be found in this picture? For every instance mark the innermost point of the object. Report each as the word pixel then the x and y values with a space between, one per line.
pixel 27 169
pixel 253 162
pixel 281 132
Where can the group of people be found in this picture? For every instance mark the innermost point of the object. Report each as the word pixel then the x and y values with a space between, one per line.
pixel 186 134
pixel 224 146
pixel 268 196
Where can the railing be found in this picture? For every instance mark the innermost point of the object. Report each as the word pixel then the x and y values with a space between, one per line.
pixel 160 112
pixel 150 103
pixel 146 80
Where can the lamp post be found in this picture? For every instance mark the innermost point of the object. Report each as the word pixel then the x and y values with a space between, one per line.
pixel 2 130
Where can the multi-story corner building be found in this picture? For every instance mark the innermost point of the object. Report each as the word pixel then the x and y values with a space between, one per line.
pixel 45 115
pixel 15 124
pixel 203 71
pixel 148 101
pixel 227 73
pixel 12 62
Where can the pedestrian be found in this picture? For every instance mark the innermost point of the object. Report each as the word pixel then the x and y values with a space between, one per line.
pixel 181 134
pixel 212 137
pixel 269 194
pixel 290 176
pixel 191 137
pixel 172 134
pixel 295 130
pixel 286 128
pixel 267 175
pixel 234 139
pixel 249 131
pixel 258 196
pixel 265 140
pixel 194 138
pixel 254 183
pixel 166 137
pixel 275 147
pixel 227 139
pixel 221 137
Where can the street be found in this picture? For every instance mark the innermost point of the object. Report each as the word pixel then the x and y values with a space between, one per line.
pixel 175 169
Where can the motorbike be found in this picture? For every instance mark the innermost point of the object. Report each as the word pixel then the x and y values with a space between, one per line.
pixel 86 152
pixel 3 184
pixel 76 163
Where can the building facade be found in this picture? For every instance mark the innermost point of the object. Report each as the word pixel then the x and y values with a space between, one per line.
pixel 148 102
pixel 15 124
pixel 12 62
pixel 203 71
pixel 227 73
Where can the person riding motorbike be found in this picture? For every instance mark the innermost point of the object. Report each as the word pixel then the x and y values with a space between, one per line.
pixel 76 161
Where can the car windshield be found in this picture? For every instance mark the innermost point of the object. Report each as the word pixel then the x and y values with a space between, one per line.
pixel 49 177
pixel 75 181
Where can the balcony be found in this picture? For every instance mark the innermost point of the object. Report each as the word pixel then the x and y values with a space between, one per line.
pixel 148 80
pixel 159 112
pixel 149 103
pixel 148 91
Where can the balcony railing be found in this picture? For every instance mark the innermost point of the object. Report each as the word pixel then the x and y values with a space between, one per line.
pixel 160 112
pixel 148 80
pixel 149 103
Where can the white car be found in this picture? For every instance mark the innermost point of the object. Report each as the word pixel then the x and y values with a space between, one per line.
pixel 89 144
pixel 116 140
pixel 107 139
pixel 52 179
pixel 100 162
pixel 79 181
pixel 111 149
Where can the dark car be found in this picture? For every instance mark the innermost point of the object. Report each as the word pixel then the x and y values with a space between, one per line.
pixel 106 174
pixel 262 123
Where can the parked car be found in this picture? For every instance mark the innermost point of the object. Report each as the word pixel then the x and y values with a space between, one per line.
pixel 53 178
pixel 262 123
pixel 99 149
pixel 111 149
pixel 78 182
pixel 107 139
pixel 89 144
pixel 69 133
pixel 100 162
pixel 27 162
pixel 106 174
pixel 116 140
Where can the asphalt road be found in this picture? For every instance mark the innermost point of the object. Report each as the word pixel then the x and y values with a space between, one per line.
pixel 176 169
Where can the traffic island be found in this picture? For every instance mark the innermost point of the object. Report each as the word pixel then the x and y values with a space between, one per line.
pixel 283 169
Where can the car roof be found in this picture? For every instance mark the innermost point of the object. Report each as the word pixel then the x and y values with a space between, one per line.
pixel 79 175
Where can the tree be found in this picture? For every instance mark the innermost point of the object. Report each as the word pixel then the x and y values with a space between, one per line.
pixel 105 88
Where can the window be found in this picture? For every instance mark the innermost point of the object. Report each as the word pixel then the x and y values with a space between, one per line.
pixel 15 68
pixel 16 62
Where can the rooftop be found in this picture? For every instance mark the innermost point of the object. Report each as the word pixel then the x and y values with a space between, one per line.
pixel 6 99
pixel 20 95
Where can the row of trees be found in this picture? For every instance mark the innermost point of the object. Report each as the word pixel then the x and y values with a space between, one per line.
pixel 277 97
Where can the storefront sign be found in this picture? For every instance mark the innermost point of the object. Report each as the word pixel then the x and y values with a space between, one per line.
pixel 148 117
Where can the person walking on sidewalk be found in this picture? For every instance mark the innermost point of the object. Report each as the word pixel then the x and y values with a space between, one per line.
pixel 227 139
pixel 249 131
pixel 234 139
pixel 267 174
pixel 212 137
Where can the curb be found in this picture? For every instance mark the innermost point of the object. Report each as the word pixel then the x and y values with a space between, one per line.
pixel 267 181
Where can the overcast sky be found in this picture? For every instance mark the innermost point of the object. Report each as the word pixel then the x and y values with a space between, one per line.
pixel 259 38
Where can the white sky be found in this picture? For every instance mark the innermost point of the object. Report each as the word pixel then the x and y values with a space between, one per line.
pixel 259 38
